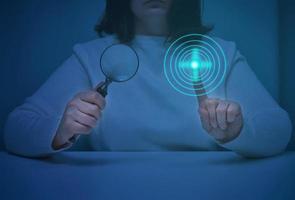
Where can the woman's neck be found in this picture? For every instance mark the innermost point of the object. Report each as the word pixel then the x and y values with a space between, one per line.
pixel 154 27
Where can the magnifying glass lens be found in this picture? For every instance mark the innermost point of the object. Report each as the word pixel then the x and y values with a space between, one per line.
pixel 119 63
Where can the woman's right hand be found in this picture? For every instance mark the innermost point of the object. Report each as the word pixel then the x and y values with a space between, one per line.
pixel 81 115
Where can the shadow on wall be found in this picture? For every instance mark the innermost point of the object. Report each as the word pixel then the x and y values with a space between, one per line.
pixel 287 54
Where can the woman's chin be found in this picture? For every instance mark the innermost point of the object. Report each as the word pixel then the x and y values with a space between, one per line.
pixel 156 12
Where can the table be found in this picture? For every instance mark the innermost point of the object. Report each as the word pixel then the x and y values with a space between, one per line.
pixel 147 175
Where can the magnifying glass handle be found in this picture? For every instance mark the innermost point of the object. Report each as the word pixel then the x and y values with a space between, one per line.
pixel 102 87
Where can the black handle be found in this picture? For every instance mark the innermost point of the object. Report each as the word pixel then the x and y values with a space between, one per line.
pixel 102 87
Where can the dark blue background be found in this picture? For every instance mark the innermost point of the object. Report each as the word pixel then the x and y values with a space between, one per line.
pixel 36 36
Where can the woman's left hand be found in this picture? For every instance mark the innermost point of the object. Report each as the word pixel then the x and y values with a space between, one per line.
pixel 221 119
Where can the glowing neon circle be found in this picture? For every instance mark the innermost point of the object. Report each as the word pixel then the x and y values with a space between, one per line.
pixel 195 65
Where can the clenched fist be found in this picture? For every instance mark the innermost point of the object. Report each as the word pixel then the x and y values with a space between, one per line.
pixel 80 116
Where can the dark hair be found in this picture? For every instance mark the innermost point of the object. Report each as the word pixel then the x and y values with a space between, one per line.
pixel 184 17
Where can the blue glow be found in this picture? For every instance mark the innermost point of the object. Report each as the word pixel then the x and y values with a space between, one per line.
pixel 195 65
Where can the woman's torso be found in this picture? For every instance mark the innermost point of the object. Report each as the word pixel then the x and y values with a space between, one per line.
pixel 146 113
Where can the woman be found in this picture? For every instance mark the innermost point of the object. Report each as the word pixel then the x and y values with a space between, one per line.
pixel 145 114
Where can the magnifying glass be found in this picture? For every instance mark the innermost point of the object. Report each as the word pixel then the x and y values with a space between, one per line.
pixel 119 63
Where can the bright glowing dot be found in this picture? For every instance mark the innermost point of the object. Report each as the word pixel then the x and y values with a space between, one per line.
pixel 194 65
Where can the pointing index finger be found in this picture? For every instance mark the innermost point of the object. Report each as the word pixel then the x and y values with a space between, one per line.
pixel 200 92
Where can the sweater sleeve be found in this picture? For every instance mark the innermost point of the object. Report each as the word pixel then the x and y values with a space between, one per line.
pixel 267 127
pixel 31 127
